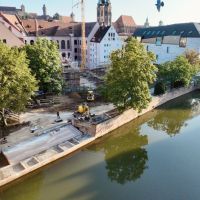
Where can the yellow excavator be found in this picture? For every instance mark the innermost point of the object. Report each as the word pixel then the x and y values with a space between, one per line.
pixel 82 112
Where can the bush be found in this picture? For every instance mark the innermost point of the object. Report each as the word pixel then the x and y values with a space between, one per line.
pixel 159 88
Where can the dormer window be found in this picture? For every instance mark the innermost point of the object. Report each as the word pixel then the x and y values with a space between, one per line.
pixel 159 41
pixel 183 42
pixel 174 33
pixel 163 32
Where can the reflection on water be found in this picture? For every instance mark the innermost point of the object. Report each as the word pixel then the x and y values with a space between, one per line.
pixel 170 118
pixel 125 155
pixel 126 163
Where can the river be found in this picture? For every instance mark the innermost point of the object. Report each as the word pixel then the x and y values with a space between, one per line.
pixel 155 157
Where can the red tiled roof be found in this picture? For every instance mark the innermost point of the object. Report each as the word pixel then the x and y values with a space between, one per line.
pixel 55 28
pixel 14 21
pixel 125 20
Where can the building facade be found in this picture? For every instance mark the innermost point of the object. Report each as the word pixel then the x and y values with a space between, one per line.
pixel 66 35
pixel 105 41
pixel 168 42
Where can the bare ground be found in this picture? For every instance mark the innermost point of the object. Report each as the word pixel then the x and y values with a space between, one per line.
pixel 44 118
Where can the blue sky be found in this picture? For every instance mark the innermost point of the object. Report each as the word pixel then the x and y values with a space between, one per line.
pixel 175 11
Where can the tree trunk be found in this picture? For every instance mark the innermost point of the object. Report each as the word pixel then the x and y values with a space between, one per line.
pixel 3 122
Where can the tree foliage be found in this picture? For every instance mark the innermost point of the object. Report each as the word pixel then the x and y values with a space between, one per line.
pixel 45 64
pixel 192 57
pixel 127 81
pixel 178 72
pixel 16 82
pixel 56 16
pixel 160 88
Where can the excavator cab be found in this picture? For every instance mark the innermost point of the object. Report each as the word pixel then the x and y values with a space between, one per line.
pixel 90 96
pixel 82 112
pixel 83 109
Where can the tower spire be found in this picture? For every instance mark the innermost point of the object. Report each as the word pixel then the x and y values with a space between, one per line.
pixel 44 10
pixel 104 13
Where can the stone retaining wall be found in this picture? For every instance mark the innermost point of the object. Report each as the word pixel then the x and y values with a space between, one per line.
pixel 114 123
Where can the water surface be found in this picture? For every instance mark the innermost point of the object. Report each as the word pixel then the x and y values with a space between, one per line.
pixel 156 157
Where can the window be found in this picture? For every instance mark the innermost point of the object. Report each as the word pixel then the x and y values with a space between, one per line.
pixel 63 44
pixel 75 50
pixel 158 41
pixel 75 42
pixel 64 55
pixel 75 58
pixel 174 33
pixel 157 57
pixel 167 49
pixel 68 44
pixel 183 42
pixel 163 32
pixel 69 55
pixel 32 42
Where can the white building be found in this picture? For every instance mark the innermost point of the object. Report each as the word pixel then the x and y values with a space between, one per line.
pixel 105 41
pixel 168 42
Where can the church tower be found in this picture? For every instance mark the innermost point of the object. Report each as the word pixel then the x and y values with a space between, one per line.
pixel 44 9
pixel 104 13
pixel 23 8
pixel 146 24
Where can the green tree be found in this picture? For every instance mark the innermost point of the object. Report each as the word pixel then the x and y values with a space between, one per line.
pixel 16 82
pixel 127 81
pixel 45 64
pixel 56 16
pixel 192 57
pixel 159 88
pixel 178 72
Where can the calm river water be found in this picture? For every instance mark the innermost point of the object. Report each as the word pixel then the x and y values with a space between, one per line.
pixel 156 157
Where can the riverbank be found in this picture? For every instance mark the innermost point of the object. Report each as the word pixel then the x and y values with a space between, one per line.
pixel 97 131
